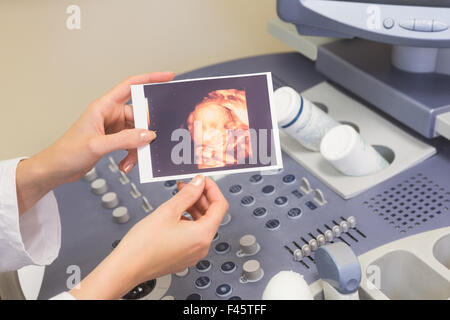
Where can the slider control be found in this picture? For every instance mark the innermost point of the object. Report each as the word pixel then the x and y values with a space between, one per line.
pixel 306 250
pixel 112 164
pixel 146 206
pixel 321 240
pixel 134 191
pixel 319 198
pixel 123 178
pixel 305 186
pixel 298 255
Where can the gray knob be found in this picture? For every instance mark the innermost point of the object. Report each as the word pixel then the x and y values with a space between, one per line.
pixel 91 175
pixel 99 186
pixel 248 244
pixel 121 215
pixel 298 255
pixel 252 271
pixel 110 200
pixel 352 222
pixel 306 250
pixel 329 236
pixel 313 244
pixel 321 239
pixel 344 226
pixel 336 231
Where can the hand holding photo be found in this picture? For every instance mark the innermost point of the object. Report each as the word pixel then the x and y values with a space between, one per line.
pixel 211 126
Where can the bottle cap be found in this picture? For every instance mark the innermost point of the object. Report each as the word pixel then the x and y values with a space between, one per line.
pixel 349 153
pixel 287 105
pixel 338 143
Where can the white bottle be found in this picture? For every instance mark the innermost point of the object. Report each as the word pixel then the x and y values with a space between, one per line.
pixel 347 151
pixel 301 119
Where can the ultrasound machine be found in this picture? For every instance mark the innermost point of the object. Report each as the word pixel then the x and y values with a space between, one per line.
pixel 381 66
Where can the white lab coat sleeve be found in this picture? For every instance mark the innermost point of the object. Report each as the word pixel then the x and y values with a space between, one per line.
pixel 35 236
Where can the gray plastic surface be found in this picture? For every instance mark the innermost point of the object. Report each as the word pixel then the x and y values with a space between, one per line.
pixel 365 69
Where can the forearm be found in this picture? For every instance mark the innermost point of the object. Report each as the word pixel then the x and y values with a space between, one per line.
pixel 108 281
pixel 34 180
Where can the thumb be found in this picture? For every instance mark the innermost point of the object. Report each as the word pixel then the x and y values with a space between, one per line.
pixel 125 139
pixel 187 196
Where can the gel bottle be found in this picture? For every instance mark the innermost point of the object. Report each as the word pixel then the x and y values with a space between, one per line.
pixel 301 119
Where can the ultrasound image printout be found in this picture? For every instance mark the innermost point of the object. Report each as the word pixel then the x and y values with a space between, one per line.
pixel 211 126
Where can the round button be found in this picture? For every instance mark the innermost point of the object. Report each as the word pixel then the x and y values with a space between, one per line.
pixel 235 298
pixel 388 23
pixel 223 290
pixel 222 247
pixel 259 212
pixel 226 220
pixel 110 200
pixel 120 215
pixel 228 267
pixel 99 186
pixel 268 190
pixel 281 201
pixel 235 189
pixel 203 266
pixel 170 183
pixel 247 201
pixel 248 244
pixel 251 270
pixel 294 213
pixel 289 178
pixel 216 236
pixel 202 282
pixel 174 192
pixel 273 224
pixel 91 175
pixel 256 178
pixel 194 296
pixel 182 273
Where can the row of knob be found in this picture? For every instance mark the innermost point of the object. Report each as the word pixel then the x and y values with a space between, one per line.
pixel 328 236
pixel 109 200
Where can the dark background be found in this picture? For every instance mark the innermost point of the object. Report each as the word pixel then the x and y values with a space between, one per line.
pixel 171 103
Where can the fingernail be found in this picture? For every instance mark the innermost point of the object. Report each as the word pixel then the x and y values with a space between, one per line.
pixel 198 180
pixel 128 168
pixel 148 136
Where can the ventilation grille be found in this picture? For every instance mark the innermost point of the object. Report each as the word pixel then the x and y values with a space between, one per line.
pixel 351 238
pixel 411 203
